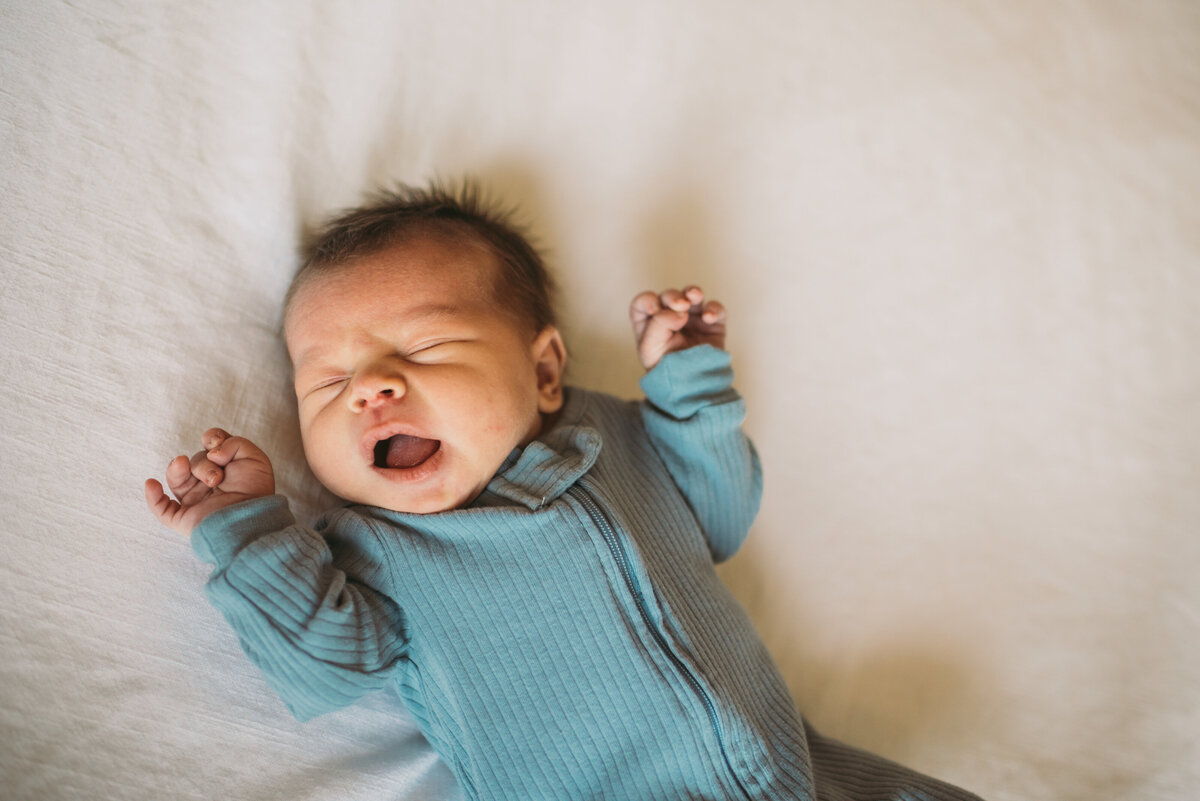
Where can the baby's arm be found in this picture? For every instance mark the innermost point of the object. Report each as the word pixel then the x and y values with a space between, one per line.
pixel 311 606
pixel 315 625
pixel 693 415
pixel 229 470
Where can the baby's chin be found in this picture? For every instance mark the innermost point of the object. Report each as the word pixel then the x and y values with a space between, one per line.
pixel 410 502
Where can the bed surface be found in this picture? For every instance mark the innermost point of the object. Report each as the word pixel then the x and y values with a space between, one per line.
pixel 959 243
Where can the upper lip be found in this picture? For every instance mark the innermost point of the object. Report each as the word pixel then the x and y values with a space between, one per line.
pixel 383 431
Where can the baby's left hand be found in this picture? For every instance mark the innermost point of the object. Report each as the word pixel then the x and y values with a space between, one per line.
pixel 672 320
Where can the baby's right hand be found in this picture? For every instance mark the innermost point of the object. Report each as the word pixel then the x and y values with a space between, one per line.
pixel 229 470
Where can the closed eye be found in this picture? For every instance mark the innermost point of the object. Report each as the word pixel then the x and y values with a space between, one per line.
pixel 431 350
pixel 332 383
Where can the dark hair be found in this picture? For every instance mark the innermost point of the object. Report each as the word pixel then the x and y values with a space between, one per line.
pixel 390 217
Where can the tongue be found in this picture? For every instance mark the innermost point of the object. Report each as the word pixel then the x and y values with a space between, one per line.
pixel 405 451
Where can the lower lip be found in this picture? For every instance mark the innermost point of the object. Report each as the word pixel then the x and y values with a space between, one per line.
pixel 417 472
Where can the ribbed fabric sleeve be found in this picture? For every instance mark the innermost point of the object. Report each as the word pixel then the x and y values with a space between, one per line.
pixel 694 418
pixel 222 534
pixel 320 634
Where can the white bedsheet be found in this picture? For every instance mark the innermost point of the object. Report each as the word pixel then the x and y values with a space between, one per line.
pixel 959 243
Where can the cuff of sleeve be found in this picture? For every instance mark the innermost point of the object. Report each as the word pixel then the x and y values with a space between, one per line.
pixel 223 533
pixel 686 381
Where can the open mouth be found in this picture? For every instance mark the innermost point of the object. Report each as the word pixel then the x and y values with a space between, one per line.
pixel 404 452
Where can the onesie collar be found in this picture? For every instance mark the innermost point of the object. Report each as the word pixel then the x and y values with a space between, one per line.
pixel 547 467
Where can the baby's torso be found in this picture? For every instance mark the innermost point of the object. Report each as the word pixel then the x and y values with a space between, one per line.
pixel 573 616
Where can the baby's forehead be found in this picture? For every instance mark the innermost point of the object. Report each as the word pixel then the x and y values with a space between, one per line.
pixel 402 286
pixel 461 266
pixel 454 266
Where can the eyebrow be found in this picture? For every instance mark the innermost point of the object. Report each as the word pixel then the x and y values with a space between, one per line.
pixel 433 310
pixel 419 314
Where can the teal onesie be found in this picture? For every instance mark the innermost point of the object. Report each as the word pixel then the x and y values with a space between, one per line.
pixel 565 636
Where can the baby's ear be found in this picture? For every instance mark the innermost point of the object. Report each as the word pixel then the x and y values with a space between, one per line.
pixel 550 362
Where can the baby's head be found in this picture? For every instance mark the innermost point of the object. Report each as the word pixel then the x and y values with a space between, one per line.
pixel 423 348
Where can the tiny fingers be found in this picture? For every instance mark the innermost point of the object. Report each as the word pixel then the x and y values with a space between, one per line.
pixel 213 437
pixel 674 319
pixel 675 300
pixel 179 474
pixel 691 302
pixel 231 447
pixel 713 312
pixel 204 470
pixel 156 498
pixel 647 304
pixel 644 306
pixel 160 505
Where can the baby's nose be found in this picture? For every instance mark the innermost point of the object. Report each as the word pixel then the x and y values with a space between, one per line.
pixel 376 387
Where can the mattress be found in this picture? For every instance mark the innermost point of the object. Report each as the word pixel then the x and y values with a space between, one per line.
pixel 958 245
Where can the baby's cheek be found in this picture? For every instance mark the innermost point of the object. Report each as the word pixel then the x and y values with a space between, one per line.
pixel 325 462
pixel 490 417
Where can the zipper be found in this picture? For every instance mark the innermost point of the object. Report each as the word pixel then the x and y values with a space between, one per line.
pixel 592 507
